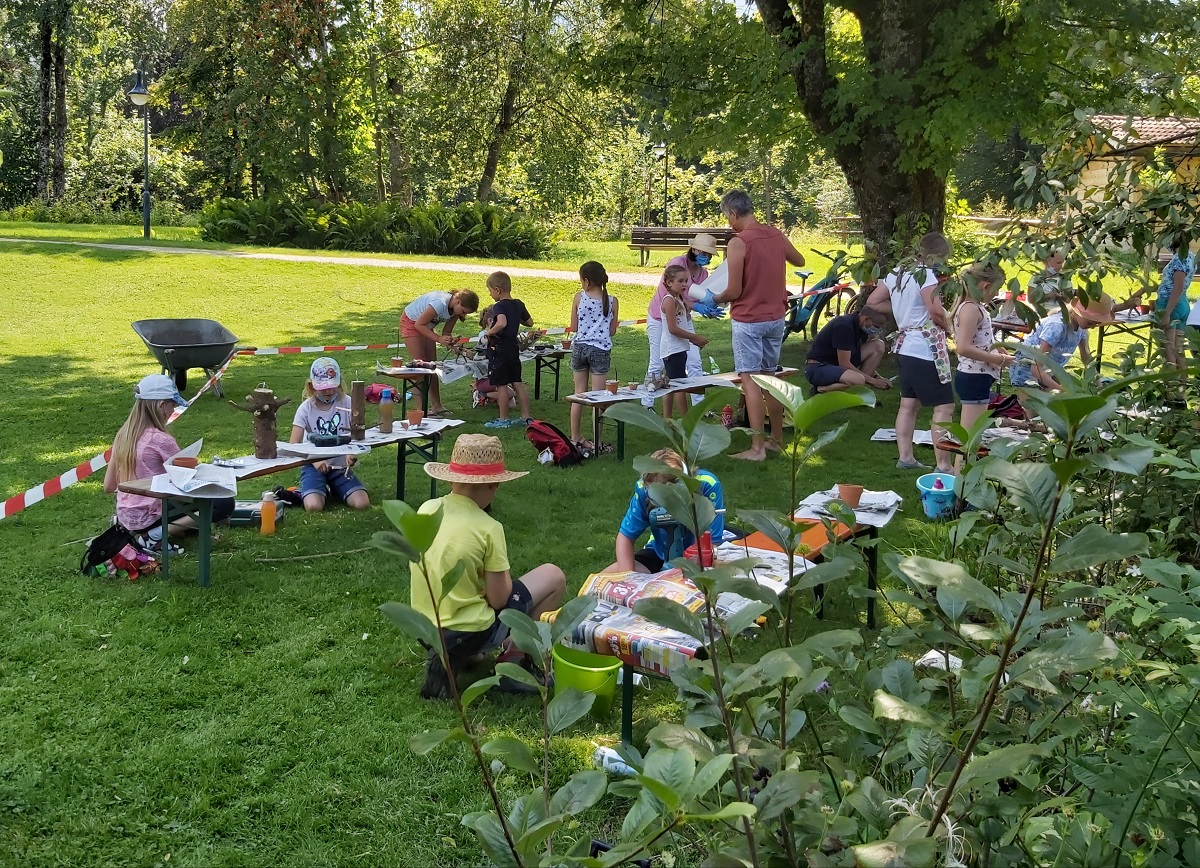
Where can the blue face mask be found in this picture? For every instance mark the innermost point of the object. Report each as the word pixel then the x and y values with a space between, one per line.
pixel 703 258
pixel 872 331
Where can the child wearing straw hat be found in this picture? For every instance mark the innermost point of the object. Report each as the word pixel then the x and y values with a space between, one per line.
pixel 1057 337
pixel 469 612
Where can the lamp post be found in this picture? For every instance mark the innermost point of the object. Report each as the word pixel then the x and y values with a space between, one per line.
pixel 139 96
pixel 660 152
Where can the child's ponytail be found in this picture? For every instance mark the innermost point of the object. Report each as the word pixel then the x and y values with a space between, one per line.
pixel 594 273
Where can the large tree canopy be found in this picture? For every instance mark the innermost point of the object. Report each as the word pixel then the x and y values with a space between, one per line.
pixel 894 89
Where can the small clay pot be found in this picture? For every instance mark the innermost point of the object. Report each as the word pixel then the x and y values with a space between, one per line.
pixel 612 386
pixel 397 362
pixel 414 418
pixel 849 494
pixel 181 461
pixel 566 344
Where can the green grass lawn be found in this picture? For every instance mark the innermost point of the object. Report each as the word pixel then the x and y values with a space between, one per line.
pixel 266 720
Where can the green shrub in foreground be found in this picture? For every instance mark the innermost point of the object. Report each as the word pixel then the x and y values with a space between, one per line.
pixel 469 229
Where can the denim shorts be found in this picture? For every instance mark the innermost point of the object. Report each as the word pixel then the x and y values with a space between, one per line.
pixel 973 388
pixel 464 643
pixel 338 482
pixel 585 357
pixel 756 346
pixel 821 374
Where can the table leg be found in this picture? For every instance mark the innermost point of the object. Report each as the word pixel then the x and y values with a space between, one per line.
pixel 164 546
pixel 401 464
pixel 596 426
pixel 626 704
pixel 1099 346
pixel 620 441
pixel 205 534
pixel 872 575
pixel 424 387
pixel 434 449
pixel 426 451
pixel 537 377
pixel 557 370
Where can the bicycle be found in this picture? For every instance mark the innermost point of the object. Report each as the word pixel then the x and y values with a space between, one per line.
pixel 806 307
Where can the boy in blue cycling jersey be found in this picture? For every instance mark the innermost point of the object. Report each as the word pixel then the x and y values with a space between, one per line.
pixel 637 520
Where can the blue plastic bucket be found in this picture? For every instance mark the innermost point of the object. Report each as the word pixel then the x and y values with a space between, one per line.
pixel 938 502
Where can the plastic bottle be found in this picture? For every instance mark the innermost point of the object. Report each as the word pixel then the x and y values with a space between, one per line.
pixel 938 485
pixel 266 522
pixel 727 416
pixel 386 407
pixel 608 759
pixel 713 367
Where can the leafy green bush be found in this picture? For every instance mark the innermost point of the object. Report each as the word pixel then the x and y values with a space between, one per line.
pixel 470 229
pixel 161 214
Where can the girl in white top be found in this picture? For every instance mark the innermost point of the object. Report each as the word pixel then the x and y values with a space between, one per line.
pixel 678 335
pixel 979 362
pixel 417 326
pixel 593 324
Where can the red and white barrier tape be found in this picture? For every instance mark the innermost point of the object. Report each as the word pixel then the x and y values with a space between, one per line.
pixel 284 351
pixel 38 493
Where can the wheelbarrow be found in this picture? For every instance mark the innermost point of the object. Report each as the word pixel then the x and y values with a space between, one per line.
pixel 180 344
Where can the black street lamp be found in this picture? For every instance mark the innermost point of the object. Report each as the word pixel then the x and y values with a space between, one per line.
pixel 139 96
pixel 660 152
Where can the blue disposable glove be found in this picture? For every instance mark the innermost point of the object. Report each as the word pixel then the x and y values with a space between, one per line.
pixel 708 310
pixel 709 299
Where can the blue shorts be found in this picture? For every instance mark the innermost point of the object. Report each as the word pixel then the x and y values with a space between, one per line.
pixel 463 643
pixel 756 346
pixel 337 482
pixel 973 388
pixel 821 374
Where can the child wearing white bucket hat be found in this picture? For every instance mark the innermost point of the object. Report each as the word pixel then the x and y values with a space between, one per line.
pixel 141 450
pixel 469 613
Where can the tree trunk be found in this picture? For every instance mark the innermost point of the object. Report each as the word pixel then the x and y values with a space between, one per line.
pixel 46 74
pixel 400 179
pixel 60 110
pixel 891 203
pixel 495 146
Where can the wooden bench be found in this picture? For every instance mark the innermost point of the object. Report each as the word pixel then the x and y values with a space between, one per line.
pixel 647 238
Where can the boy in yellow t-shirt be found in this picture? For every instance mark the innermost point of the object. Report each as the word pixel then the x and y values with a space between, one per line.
pixel 469 614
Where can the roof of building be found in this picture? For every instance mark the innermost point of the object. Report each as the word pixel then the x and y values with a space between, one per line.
pixel 1135 131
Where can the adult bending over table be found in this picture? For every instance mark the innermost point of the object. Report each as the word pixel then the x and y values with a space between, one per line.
pixel 417 324
pixel 847 351
pixel 756 260
pixel 701 250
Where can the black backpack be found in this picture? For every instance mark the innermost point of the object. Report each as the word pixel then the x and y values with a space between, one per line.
pixel 546 435
pixel 104 547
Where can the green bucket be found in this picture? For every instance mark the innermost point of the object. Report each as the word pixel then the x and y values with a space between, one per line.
pixel 587 673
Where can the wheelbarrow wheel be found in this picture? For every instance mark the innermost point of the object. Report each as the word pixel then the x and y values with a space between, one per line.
pixel 180 379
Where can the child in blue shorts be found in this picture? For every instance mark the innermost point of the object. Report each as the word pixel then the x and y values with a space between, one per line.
pixel 326 410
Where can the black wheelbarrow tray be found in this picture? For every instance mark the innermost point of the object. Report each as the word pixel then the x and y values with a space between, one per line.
pixel 180 344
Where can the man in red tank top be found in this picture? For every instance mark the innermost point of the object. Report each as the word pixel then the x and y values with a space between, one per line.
pixel 756 261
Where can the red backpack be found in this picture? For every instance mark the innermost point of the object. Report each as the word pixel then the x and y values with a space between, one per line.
pixel 546 436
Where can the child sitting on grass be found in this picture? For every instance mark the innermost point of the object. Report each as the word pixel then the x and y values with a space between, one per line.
pixel 469 613
pixel 504 351
pixel 637 520
pixel 326 410
pixel 141 450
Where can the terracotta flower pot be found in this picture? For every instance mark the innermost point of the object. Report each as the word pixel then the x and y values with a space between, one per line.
pixel 849 494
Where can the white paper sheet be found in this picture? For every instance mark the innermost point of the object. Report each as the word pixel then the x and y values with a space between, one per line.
pixel 308 450
pixel 888 435
pixel 204 480
pixel 875 508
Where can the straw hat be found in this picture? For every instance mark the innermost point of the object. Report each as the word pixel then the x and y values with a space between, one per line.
pixel 704 242
pixel 477 458
pixel 1097 312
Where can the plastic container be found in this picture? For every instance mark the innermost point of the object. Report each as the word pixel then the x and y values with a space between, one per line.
pixel 938 502
pixel 386 408
pixel 608 759
pixel 701 552
pixel 588 673
pixel 266 524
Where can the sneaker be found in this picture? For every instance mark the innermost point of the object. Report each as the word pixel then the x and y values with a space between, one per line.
pixel 437 680
pixel 916 465
pixel 511 685
pixel 498 423
pixel 478 400
pixel 153 546
pixel 519 423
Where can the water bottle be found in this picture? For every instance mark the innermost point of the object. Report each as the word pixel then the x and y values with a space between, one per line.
pixel 713 367
pixel 608 759
pixel 727 416
pixel 385 412
pixel 266 522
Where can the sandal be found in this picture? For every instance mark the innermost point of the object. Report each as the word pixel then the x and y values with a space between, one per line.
pixel 604 449
pixel 438 414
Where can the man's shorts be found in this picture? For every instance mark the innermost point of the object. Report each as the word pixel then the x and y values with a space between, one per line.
pixel 504 368
pixel 973 388
pixel 585 357
pixel 756 346
pixel 337 482
pixel 919 379
pixel 464 644
pixel 820 374
pixel 649 559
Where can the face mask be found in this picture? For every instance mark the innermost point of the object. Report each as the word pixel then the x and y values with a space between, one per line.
pixel 872 331
pixel 703 258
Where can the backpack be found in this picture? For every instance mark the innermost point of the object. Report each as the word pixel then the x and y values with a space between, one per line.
pixel 547 437
pixel 104 547
pixel 1006 407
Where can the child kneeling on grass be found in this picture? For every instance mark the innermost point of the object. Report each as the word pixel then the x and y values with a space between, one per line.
pixel 637 520
pixel 470 613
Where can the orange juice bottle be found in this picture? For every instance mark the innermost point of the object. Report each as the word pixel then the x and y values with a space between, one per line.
pixel 266 523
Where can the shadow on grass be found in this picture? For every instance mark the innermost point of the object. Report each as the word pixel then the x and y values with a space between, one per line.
pixel 87 249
